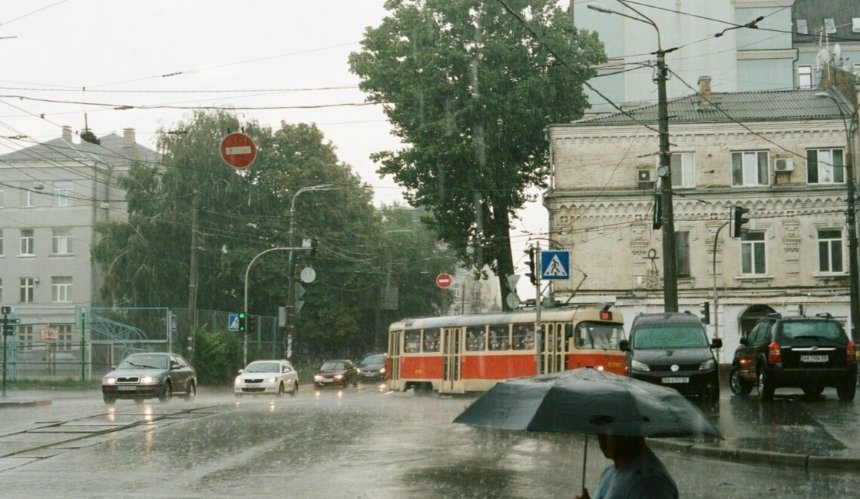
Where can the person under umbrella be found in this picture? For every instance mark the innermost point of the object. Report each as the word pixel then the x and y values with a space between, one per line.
pixel 636 472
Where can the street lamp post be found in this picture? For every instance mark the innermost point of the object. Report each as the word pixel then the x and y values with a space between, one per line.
pixel 851 213
pixel 664 171
pixel 291 292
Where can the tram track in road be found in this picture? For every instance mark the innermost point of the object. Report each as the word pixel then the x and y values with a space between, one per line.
pixel 45 439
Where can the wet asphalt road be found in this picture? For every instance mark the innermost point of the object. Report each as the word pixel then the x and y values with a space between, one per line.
pixel 368 443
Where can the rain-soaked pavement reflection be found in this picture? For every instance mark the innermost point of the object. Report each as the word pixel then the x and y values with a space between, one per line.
pixel 370 444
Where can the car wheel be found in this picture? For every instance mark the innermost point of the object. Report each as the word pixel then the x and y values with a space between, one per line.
pixel 739 385
pixel 281 389
pixel 295 388
pixel 846 390
pixel 167 393
pixel 765 386
pixel 191 391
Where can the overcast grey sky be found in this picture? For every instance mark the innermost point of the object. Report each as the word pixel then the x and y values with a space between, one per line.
pixel 263 54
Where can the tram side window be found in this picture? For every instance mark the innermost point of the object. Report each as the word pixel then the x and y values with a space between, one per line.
pixel 431 340
pixel 499 338
pixel 412 341
pixel 523 336
pixel 476 338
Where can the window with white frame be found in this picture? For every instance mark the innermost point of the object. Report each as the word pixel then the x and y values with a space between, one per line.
pixel 61 241
pixel 804 77
pixel 830 250
pixel 28 290
pixel 825 166
pixel 64 335
pixel 682 253
pixel 683 167
pixel 753 260
pixel 2 198
pixel 63 193
pixel 27 197
pixel 28 243
pixel 25 336
pixel 749 168
pixel 61 289
pixel 1 242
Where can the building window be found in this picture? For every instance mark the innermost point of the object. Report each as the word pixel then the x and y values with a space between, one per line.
pixel 61 241
pixel 63 193
pixel 802 27
pixel 63 335
pixel 2 198
pixel 28 243
pixel 830 250
pixel 25 336
pixel 28 289
pixel 752 254
pixel 27 197
pixel 61 289
pixel 804 77
pixel 683 169
pixel 824 166
pixel 749 168
pixel 682 253
pixel 1 242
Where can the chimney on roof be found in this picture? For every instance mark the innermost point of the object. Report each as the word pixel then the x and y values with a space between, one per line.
pixel 128 139
pixel 67 133
pixel 704 90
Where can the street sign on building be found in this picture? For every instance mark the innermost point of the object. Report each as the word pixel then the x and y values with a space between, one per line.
pixel 554 265
pixel 238 150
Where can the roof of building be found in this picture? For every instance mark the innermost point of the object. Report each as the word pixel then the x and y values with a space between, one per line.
pixel 111 150
pixel 744 107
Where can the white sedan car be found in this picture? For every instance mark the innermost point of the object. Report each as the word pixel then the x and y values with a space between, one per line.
pixel 274 377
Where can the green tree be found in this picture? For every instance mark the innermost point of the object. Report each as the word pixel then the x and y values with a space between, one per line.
pixel 469 88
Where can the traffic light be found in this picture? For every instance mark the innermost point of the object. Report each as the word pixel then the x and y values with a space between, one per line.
pixel 705 312
pixel 531 264
pixel 740 220
pixel 243 323
pixel 252 323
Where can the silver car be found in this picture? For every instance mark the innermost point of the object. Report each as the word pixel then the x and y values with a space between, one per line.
pixel 147 375
pixel 273 377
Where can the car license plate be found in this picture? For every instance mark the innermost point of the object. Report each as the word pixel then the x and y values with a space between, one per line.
pixel 676 380
pixel 123 388
pixel 814 358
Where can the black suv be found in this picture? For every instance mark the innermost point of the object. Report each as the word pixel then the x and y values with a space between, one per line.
pixel 672 349
pixel 800 352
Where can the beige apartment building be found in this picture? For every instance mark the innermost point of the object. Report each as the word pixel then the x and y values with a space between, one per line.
pixel 781 154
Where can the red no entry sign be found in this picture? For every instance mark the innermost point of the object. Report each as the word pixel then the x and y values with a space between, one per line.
pixel 238 150
pixel 443 280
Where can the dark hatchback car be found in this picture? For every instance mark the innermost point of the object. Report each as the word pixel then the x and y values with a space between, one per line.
pixel 810 353
pixel 672 349
pixel 340 372
pixel 142 376
pixel 372 368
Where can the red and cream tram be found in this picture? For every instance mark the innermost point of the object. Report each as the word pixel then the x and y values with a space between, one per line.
pixel 471 353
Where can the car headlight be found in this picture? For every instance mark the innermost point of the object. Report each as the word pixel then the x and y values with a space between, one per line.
pixel 318 377
pixel 109 381
pixel 708 365
pixel 636 365
pixel 381 370
pixel 273 379
pixel 338 376
pixel 148 380
pixel 237 381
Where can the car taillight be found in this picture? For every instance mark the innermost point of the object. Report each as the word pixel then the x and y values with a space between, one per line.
pixel 774 354
pixel 850 352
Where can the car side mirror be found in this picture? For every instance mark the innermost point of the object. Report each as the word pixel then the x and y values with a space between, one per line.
pixel 624 345
pixel 745 340
pixel 717 343
pixel 241 371
pixel 174 365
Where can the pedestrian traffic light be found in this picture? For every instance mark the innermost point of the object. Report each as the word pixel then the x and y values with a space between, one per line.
pixel 531 263
pixel 242 322
pixel 706 312
pixel 740 221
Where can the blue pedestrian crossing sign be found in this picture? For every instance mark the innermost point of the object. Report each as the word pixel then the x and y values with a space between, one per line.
pixel 554 265
pixel 232 322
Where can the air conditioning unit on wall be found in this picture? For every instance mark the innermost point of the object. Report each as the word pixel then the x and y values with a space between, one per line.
pixel 784 165
pixel 643 178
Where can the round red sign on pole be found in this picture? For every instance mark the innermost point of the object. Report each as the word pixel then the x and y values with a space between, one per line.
pixel 443 280
pixel 238 150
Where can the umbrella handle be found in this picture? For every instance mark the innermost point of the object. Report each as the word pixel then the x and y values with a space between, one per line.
pixel 584 459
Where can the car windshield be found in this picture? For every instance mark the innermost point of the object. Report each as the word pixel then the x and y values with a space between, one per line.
pixel 814 329
pixel 332 365
pixel 149 361
pixel 263 367
pixel 668 336
pixel 372 360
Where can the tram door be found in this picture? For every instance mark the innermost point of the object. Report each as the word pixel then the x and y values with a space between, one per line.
pixel 394 357
pixel 450 359
pixel 553 348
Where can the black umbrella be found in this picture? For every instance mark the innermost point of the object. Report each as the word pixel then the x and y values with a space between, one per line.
pixel 588 401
